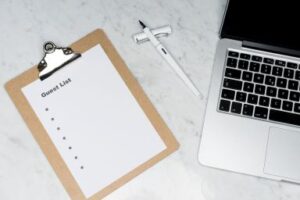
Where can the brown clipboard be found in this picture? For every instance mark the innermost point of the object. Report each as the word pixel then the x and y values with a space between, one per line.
pixel 96 37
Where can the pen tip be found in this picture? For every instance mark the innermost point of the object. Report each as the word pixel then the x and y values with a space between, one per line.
pixel 142 24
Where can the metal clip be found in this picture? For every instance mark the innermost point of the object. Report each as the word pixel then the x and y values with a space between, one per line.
pixel 54 59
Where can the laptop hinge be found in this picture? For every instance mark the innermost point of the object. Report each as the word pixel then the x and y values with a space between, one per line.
pixel 271 48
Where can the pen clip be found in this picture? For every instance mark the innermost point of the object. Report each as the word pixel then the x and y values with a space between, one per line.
pixel 159 32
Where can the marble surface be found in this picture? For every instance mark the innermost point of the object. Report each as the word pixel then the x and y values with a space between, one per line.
pixel 26 24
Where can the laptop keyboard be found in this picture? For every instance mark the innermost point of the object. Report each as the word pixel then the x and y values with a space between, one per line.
pixel 260 87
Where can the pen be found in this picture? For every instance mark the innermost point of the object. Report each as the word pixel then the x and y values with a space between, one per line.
pixel 167 56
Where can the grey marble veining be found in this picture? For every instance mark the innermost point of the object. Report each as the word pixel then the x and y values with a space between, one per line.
pixel 26 24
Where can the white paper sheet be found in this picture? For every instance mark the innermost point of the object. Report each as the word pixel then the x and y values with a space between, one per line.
pixel 94 121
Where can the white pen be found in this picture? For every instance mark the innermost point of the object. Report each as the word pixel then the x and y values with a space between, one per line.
pixel 167 56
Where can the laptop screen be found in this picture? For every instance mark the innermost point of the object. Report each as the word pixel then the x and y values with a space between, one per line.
pixel 269 22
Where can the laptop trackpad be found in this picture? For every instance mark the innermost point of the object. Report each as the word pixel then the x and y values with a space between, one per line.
pixel 283 153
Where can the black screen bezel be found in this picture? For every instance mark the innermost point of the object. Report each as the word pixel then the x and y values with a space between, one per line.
pixel 226 32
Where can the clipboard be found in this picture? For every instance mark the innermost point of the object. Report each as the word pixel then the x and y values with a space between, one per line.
pixel 14 89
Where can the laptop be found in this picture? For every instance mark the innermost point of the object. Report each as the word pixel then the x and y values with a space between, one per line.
pixel 252 119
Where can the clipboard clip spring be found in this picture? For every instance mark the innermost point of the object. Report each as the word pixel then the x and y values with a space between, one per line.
pixel 54 59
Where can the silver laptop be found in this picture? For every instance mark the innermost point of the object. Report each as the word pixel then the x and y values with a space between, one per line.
pixel 252 120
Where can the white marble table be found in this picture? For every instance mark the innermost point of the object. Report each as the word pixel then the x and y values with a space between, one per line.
pixel 26 24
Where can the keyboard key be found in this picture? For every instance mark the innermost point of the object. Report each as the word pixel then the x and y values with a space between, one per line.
pixel 258 78
pixel 270 80
pixel 294 96
pixel 236 107
pixel 283 94
pixel 280 63
pixel 231 62
pixel 260 89
pixel 243 64
pixel 287 105
pixel 245 56
pixel 297 107
pixel 297 76
pixel 277 71
pixel 228 94
pixel 276 103
pixel 288 73
pixel 252 99
pixel 233 73
pixel 247 76
pixel 281 82
pixel 248 87
pixel 264 101
pixel 261 112
pixel 241 96
pixel 266 69
pixel 285 117
pixel 292 65
pixel 233 54
pixel 233 84
pixel 248 110
pixel 293 85
pixel 271 91
pixel 257 58
pixel 224 105
pixel 254 66
pixel 268 60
